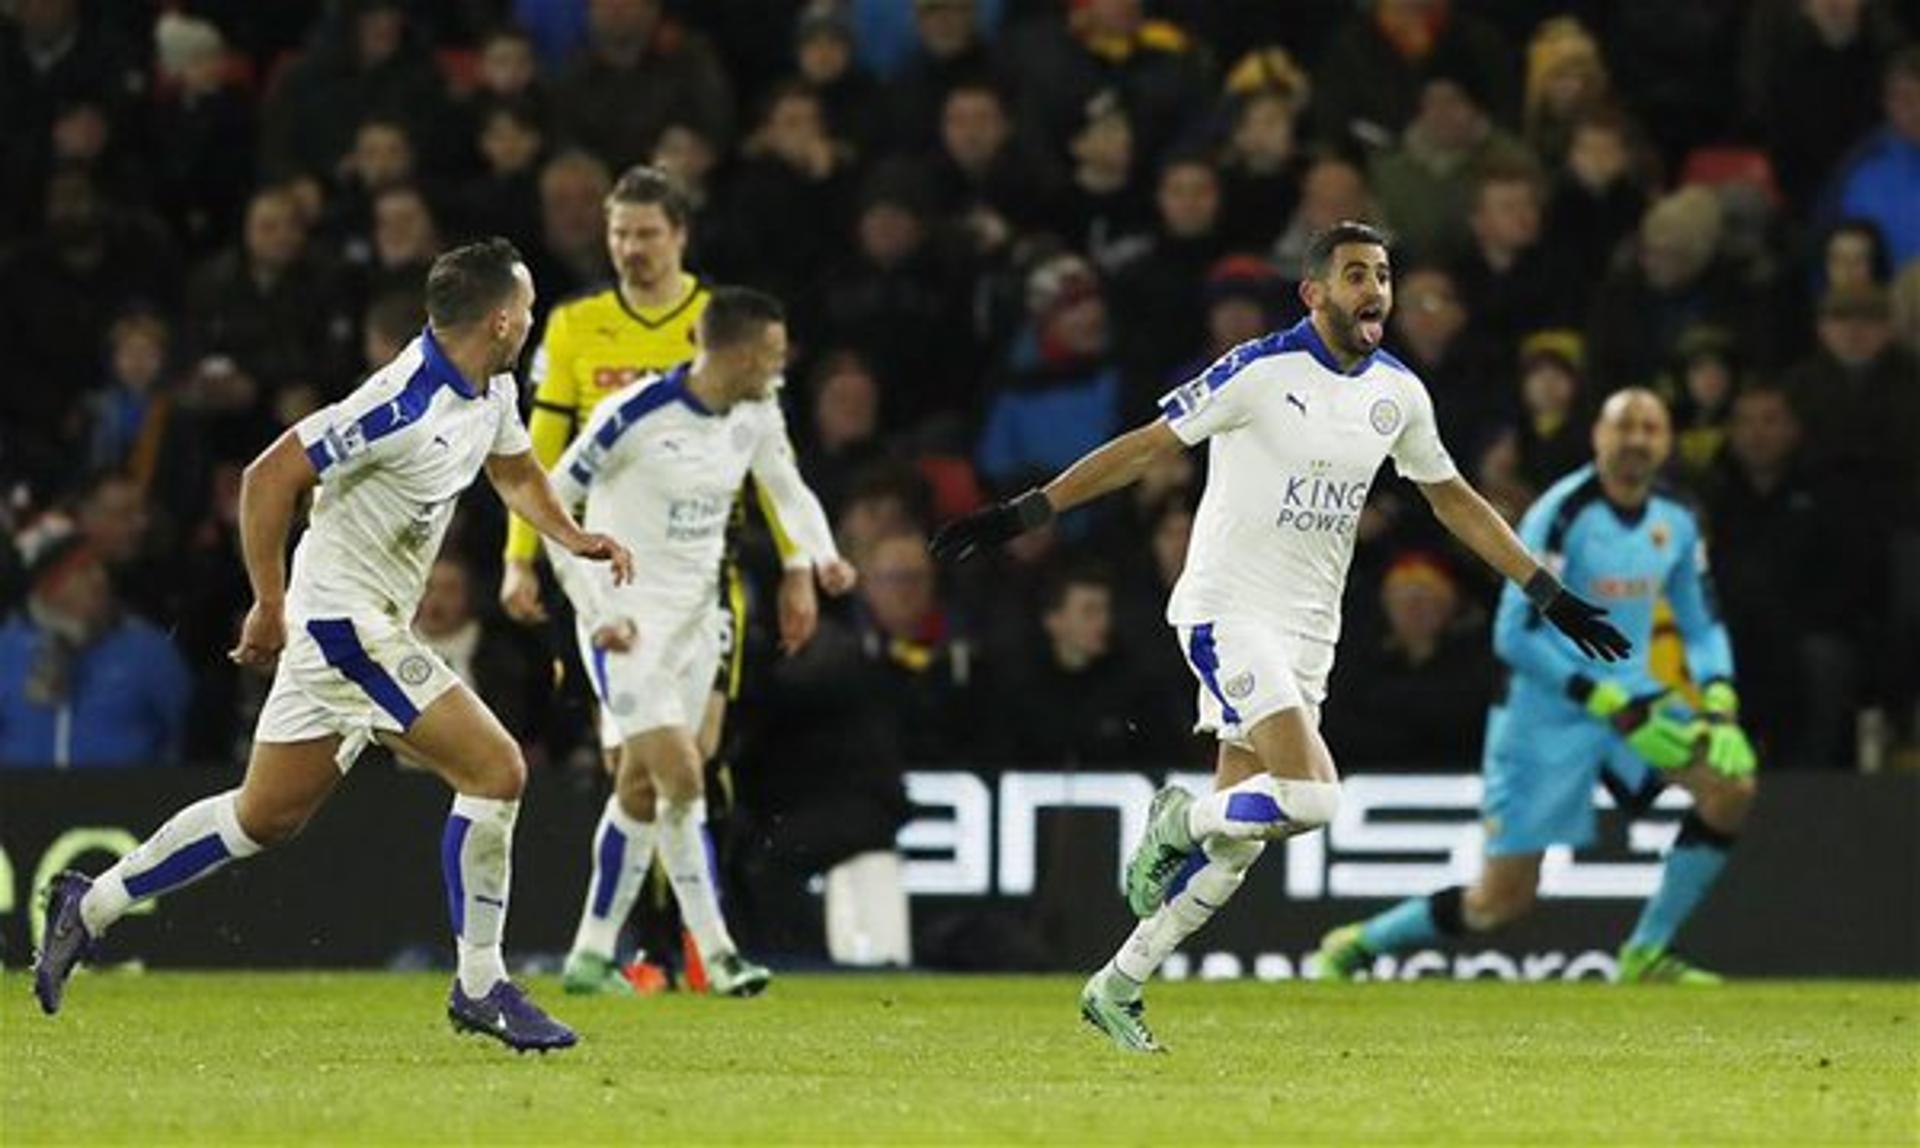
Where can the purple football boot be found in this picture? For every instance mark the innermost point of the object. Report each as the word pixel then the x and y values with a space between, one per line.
pixel 64 942
pixel 506 1015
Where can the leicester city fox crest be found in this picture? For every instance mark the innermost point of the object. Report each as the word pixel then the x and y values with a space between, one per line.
pixel 1384 416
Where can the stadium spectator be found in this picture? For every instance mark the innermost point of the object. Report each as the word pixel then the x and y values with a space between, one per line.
pixel 984 182
pixel 1880 181
pixel 203 173
pixel 1706 376
pixel 1511 280
pixel 573 248
pixel 948 51
pixel 502 663
pixel 1431 670
pixel 1261 169
pixel 1243 298
pixel 1156 294
pixel 505 198
pixel 366 60
pixel 1333 189
pixel 846 405
pixel 1566 79
pixel 133 420
pixel 640 71
pixel 1810 81
pixel 1555 408
pixel 406 237
pixel 929 672
pixel 1858 402
pixel 82 684
pixel 1598 195
pixel 1780 536
pixel 899 304
pixel 1425 185
pixel 1675 279
pixel 270 305
pixel 856 113
pixel 790 170
pixel 1432 330
pixel 1674 70
pixel 113 516
pixel 1373 70
pixel 1161 76
pixel 1106 211
pixel 1080 702
pixel 1057 393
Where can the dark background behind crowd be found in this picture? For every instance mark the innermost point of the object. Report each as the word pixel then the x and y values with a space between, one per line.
pixel 1003 228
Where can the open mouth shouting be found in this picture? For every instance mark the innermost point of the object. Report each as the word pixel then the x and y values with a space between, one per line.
pixel 1370 324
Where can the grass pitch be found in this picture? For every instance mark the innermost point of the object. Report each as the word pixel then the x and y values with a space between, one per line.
pixel 271 1058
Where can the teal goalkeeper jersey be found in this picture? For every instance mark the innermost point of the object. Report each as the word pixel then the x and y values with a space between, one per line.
pixel 1624 561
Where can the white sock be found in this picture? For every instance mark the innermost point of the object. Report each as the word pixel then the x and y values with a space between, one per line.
pixel 199 839
pixel 1154 939
pixel 1264 807
pixel 622 853
pixel 687 852
pixel 476 860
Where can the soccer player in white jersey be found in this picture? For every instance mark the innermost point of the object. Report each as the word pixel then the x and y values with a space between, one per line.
pixel 659 464
pixel 389 461
pixel 1299 422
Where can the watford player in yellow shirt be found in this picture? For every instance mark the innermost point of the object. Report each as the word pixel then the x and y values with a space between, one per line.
pixel 598 343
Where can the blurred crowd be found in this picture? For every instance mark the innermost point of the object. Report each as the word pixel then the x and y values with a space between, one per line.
pixel 1003 228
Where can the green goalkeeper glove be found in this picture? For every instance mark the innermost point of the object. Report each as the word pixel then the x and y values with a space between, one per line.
pixel 1662 741
pixel 1729 753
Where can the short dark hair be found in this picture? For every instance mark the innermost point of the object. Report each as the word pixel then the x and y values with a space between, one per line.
pixel 1325 242
pixel 643 184
pixel 1080 572
pixel 736 314
pixel 467 283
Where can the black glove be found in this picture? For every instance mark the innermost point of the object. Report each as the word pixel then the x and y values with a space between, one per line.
pixel 958 540
pixel 1577 618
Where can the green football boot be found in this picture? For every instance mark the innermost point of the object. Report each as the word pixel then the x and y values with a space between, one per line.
pixel 1163 851
pixel 1342 954
pixel 591 975
pixel 1650 965
pixel 732 975
pixel 1123 1022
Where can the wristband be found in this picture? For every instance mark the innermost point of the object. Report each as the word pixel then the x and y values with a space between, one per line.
pixel 1542 588
pixel 1032 510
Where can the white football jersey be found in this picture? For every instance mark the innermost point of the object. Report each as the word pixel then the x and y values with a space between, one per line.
pixel 659 471
pixel 1296 442
pixel 393 457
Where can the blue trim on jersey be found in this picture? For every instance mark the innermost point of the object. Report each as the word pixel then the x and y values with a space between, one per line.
pixel 434 361
pixel 1304 336
pixel 1206 659
pixel 452 843
pixel 402 410
pixel 600 671
pixel 319 455
pixel 609 859
pixel 180 867
pixel 341 647
pixel 669 388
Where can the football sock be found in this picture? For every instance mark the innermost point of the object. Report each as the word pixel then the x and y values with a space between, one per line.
pixel 1414 922
pixel 1264 807
pixel 686 852
pixel 1699 854
pixel 622 852
pixel 476 860
pixel 1212 877
pixel 196 841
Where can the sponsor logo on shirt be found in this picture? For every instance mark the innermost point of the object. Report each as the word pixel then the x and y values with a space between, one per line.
pixel 1315 503
pixel 703 516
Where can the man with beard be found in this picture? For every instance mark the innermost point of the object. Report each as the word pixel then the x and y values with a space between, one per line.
pixel 1611 529
pixel 1301 420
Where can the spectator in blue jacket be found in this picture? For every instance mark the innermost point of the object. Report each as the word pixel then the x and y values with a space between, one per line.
pixel 82 683
pixel 1881 180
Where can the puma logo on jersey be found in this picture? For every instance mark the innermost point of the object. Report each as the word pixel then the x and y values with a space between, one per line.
pixel 1295 400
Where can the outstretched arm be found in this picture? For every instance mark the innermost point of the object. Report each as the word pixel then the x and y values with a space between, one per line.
pixel 270 492
pixel 1467 517
pixel 1117 463
pixel 524 487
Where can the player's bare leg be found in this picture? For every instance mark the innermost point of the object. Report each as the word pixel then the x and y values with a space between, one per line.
pixel 623 849
pixel 1721 805
pixel 672 757
pixel 285 784
pixel 460 739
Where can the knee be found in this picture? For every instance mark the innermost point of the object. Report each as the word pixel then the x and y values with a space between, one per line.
pixel 1726 804
pixel 503 773
pixel 269 827
pixel 677 781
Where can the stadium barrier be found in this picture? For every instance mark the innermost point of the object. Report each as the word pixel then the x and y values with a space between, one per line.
pixel 1019 869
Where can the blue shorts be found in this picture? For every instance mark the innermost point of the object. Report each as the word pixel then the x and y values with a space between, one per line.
pixel 1540 769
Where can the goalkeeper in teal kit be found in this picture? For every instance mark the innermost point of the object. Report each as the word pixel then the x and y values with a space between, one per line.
pixel 1623 542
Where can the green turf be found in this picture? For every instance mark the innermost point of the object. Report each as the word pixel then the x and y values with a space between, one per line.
pixel 175 1058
